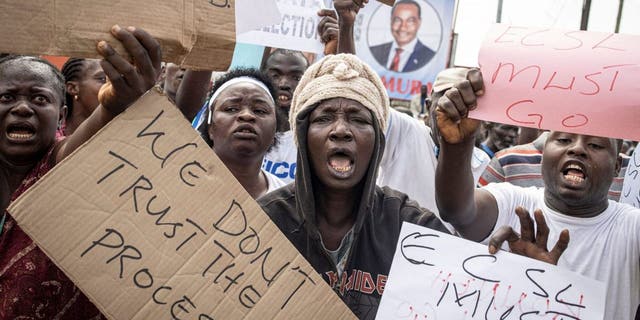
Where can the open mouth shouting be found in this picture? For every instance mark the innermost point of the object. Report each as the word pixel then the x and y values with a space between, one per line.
pixel 20 132
pixel 341 163
pixel 245 131
pixel 284 98
pixel 574 174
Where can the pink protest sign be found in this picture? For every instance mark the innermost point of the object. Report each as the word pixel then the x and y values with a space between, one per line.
pixel 573 81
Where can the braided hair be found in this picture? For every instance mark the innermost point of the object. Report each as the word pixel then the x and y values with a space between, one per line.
pixel 72 70
pixel 59 83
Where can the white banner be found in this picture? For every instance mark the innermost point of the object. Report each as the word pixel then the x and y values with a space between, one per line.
pixel 439 276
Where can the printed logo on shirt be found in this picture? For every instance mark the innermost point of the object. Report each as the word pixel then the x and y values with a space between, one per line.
pixel 357 280
pixel 282 170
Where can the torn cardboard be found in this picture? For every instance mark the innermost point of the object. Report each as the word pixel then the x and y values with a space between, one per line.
pixel 198 34
pixel 148 222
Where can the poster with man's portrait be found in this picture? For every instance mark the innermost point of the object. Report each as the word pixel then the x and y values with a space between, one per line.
pixel 407 44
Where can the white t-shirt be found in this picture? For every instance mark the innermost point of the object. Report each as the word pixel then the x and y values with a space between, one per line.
pixel 605 247
pixel 280 161
pixel 273 181
pixel 408 164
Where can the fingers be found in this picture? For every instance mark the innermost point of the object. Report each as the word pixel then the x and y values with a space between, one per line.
pixel 455 97
pixel 328 25
pixel 121 69
pixel 328 31
pixel 526 224
pixel 467 93
pixel 151 46
pixel 448 108
pixel 328 13
pixel 138 52
pixel 475 79
pixel 561 245
pixel 504 233
pixel 542 230
pixel 114 76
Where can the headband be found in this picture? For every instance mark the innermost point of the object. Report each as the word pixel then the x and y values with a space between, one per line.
pixel 243 79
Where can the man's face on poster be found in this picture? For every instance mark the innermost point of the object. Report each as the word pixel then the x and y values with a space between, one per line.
pixel 405 23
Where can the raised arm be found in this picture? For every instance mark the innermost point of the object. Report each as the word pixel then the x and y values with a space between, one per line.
pixel 192 92
pixel 473 212
pixel 127 82
pixel 347 10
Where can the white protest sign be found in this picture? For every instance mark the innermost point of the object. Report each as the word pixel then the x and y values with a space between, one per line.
pixel 268 14
pixel 439 276
pixel 631 187
pixel 297 29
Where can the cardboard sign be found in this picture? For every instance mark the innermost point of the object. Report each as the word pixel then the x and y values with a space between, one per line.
pixel 572 81
pixel 631 187
pixel 148 222
pixel 194 33
pixel 439 276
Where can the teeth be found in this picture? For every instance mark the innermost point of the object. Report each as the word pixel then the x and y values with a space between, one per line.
pixel 574 166
pixel 342 169
pixel 574 178
pixel 20 135
pixel 283 98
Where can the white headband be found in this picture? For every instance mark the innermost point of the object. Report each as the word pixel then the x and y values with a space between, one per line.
pixel 231 82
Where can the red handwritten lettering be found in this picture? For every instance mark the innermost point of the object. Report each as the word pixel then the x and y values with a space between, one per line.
pixel 510 115
pixel 582 120
pixel 569 35
pixel 522 41
pixel 506 32
pixel 597 86
pixel 600 46
pixel 549 85
pixel 514 74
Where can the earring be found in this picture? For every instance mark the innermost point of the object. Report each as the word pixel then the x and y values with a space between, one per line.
pixel 75 97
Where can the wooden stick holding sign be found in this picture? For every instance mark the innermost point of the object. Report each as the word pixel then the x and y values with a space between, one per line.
pixel 148 222
pixel 573 81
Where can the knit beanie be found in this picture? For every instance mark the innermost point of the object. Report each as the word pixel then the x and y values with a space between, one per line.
pixel 340 76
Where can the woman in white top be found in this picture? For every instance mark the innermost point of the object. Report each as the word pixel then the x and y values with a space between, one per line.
pixel 241 127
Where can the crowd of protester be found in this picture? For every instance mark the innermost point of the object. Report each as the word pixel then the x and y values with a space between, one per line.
pixel 335 167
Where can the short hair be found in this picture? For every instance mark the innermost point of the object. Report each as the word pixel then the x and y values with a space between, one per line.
pixel 71 71
pixel 412 2
pixel 58 77
pixel 236 73
pixel 285 52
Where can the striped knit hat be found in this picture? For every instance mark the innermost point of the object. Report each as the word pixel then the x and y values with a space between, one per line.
pixel 341 76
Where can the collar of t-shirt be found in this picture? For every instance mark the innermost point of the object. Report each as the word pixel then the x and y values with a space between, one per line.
pixel 407 50
pixel 578 221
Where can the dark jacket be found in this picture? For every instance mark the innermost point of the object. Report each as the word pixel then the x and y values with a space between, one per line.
pixel 420 56
pixel 380 214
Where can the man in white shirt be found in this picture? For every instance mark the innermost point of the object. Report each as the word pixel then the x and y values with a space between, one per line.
pixel 577 171
pixel 406 53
